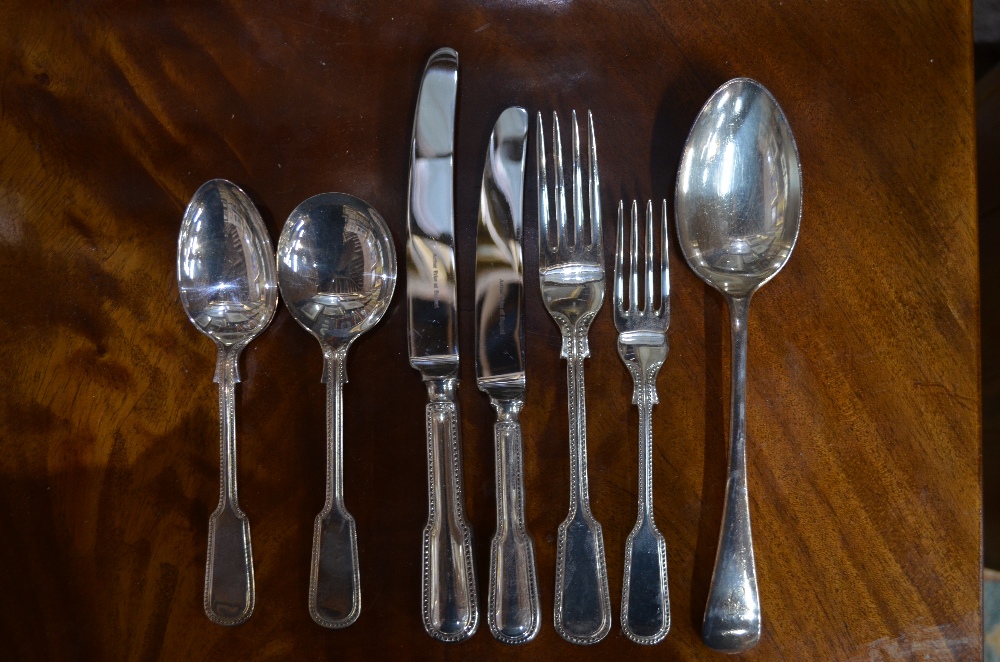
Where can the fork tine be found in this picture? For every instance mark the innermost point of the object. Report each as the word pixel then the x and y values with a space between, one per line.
pixel 557 165
pixel 633 258
pixel 543 190
pixel 594 192
pixel 649 256
pixel 620 260
pixel 665 267
pixel 577 187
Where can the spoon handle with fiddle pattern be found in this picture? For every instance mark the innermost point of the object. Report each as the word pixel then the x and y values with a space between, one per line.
pixel 229 584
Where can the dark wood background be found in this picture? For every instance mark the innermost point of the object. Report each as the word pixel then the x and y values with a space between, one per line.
pixel 864 393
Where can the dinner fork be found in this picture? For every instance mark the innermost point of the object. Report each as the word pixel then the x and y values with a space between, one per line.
pixel 571 272
pixel 642 344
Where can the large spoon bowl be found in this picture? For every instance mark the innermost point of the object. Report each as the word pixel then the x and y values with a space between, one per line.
pixel 226 278
pixel 337 273
pixel 739 189
pixel 738 207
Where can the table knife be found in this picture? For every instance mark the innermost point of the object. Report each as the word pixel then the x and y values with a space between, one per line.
pixel 513 613
pixel 450 602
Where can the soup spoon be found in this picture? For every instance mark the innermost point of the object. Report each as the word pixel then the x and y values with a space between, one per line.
pixel 738 204
pixel 336 272
pixel 225 274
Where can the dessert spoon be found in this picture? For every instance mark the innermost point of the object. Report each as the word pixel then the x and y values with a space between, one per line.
pixel 225 274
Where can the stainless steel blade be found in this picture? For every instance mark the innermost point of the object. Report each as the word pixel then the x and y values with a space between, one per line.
pixel 430 246
pixel 499 273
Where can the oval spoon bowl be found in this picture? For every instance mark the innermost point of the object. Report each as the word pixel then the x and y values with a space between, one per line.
pixel 739 189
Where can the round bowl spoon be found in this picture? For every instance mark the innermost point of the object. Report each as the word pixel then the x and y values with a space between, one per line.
pixel 225 274
pixel 738 206
pixel 336 272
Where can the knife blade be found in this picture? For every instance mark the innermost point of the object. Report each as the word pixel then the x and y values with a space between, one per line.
pixel 450 603
pixel 514 612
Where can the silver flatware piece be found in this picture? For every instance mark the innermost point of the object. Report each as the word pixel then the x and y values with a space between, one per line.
pixel 513 613
pixel 738 205
pixel 642 321
pixel 226 278
pixel 450 602
pixel 337 273
pixel 571 274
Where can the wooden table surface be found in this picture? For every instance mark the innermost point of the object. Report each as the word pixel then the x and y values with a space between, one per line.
pixel 863 389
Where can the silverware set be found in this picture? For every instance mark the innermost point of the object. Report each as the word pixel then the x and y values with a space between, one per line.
pixel 738 206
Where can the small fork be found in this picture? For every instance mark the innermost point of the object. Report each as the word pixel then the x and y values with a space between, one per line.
pixel 571 272
pixel 642 344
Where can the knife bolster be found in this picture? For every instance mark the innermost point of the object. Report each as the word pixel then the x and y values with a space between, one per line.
pixel 508 409
pixel 441 389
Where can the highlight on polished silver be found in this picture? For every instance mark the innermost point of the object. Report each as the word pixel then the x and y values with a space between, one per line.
pixel 642 344
pixel 514 613
pixel 225 274
pixel 738 205
pixel 337 273
pixel 450 602
pixel 571 274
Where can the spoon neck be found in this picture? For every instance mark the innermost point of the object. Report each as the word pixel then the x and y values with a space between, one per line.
pixel 227 367
pixel 739 308
pixel 334 365
pixel 739 312
pixel 227 376
pixel 334 376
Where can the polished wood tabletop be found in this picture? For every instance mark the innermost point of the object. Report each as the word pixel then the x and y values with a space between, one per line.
pixel 863 380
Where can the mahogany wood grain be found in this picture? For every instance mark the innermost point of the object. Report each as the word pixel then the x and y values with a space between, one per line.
pixel 863 389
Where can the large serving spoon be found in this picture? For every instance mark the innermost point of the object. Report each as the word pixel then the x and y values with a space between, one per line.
pixel 225 273
pixel 337 272
pixel 738 204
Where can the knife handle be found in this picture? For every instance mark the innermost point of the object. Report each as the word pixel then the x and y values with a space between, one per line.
pixel 450 602
pixel 229 585
pixel 514 614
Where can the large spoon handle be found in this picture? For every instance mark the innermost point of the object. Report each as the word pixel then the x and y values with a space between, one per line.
pixel 450 601
pixel 229 589
pixel 334 581
pixel 514 614
pixel 732 617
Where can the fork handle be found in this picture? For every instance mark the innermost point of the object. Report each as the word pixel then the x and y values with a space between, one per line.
pixel 582 600
pixel 514 613
pixel 645 595
pixel 450 602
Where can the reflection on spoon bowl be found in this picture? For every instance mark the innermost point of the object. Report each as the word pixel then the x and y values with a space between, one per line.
pixel 739 189
pixel 336 266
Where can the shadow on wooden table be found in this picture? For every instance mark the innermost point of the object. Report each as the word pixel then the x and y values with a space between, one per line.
pixel 988 145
